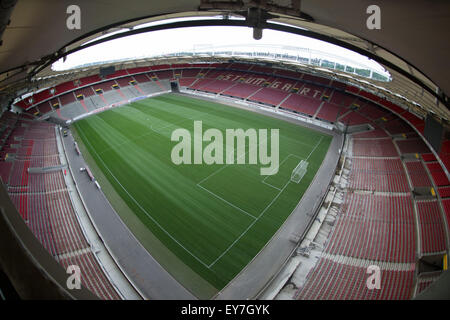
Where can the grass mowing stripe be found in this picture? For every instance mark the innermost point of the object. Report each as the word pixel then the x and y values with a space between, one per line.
pixel 165 257
pixel 115 177
pixel 265 209
pixel 215 195
pixel 142 209
pixel 251 225
pixel 226 165
pixel 217 233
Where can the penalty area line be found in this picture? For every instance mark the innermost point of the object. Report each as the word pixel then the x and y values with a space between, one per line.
pixel 248 228
pixel 219 197
pixel 262 213
pixel 142 209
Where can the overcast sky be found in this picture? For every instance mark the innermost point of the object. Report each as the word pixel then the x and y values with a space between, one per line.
pixel 189 39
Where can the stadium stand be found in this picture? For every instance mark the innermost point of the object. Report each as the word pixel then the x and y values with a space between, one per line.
pixel 316 79
pixel 163 75
pixel 306 86
pixel 374 174
pixel 85 92
pixel 104 86
pixel 376 223
pixel 117 74
pixel 444 192
pixel 375 227
pixel 330 112
pixel 43 201
pixel 5 170
pixel 352 118
pixel 333 280
pixel 432 232
pixel 446 205
pixel 439 176
pixel 239 90
pixel 187 82
pixel 141 78
pixel 418 174
pixel 44 107
pixel 67 98
pixel 196 85
pixel 429 157
pixel 269 96
pixel 341 98
pixel 190 73
pixel 124 82
pixel 412 146
pixel 374 148
pixel 302 104
pixel 372 112
pixel 379 220
pixel 397 126
pixel 375 133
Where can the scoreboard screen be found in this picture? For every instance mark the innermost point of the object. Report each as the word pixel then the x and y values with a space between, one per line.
pixel 434 133
pixel 106 71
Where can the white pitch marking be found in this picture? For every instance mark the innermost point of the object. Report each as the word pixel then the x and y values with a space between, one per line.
pixel 248 228
pixel 145 211
pixel 226 165
pixel 272 186
pixel 320 140
pixel 236 240
pixel 148 133
pixel 261 214
pixel 291 154
pixel 234 206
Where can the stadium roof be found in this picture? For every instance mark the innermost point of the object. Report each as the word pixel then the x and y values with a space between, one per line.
pixel 412 42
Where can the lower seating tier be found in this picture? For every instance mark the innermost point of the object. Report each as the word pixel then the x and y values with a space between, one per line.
pixel 331 280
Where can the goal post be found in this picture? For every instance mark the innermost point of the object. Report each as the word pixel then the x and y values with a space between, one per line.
pixel 299 171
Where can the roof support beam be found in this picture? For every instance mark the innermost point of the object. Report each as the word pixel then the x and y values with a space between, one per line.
pixel 245 23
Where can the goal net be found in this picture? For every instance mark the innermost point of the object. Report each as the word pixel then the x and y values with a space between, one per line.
pixel 299 171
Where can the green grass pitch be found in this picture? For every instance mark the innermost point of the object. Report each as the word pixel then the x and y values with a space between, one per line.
pixel 213 218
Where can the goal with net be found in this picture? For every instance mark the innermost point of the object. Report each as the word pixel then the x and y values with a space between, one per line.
pixel 299 171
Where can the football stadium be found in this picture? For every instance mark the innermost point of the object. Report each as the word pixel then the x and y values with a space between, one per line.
pixel 224 150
